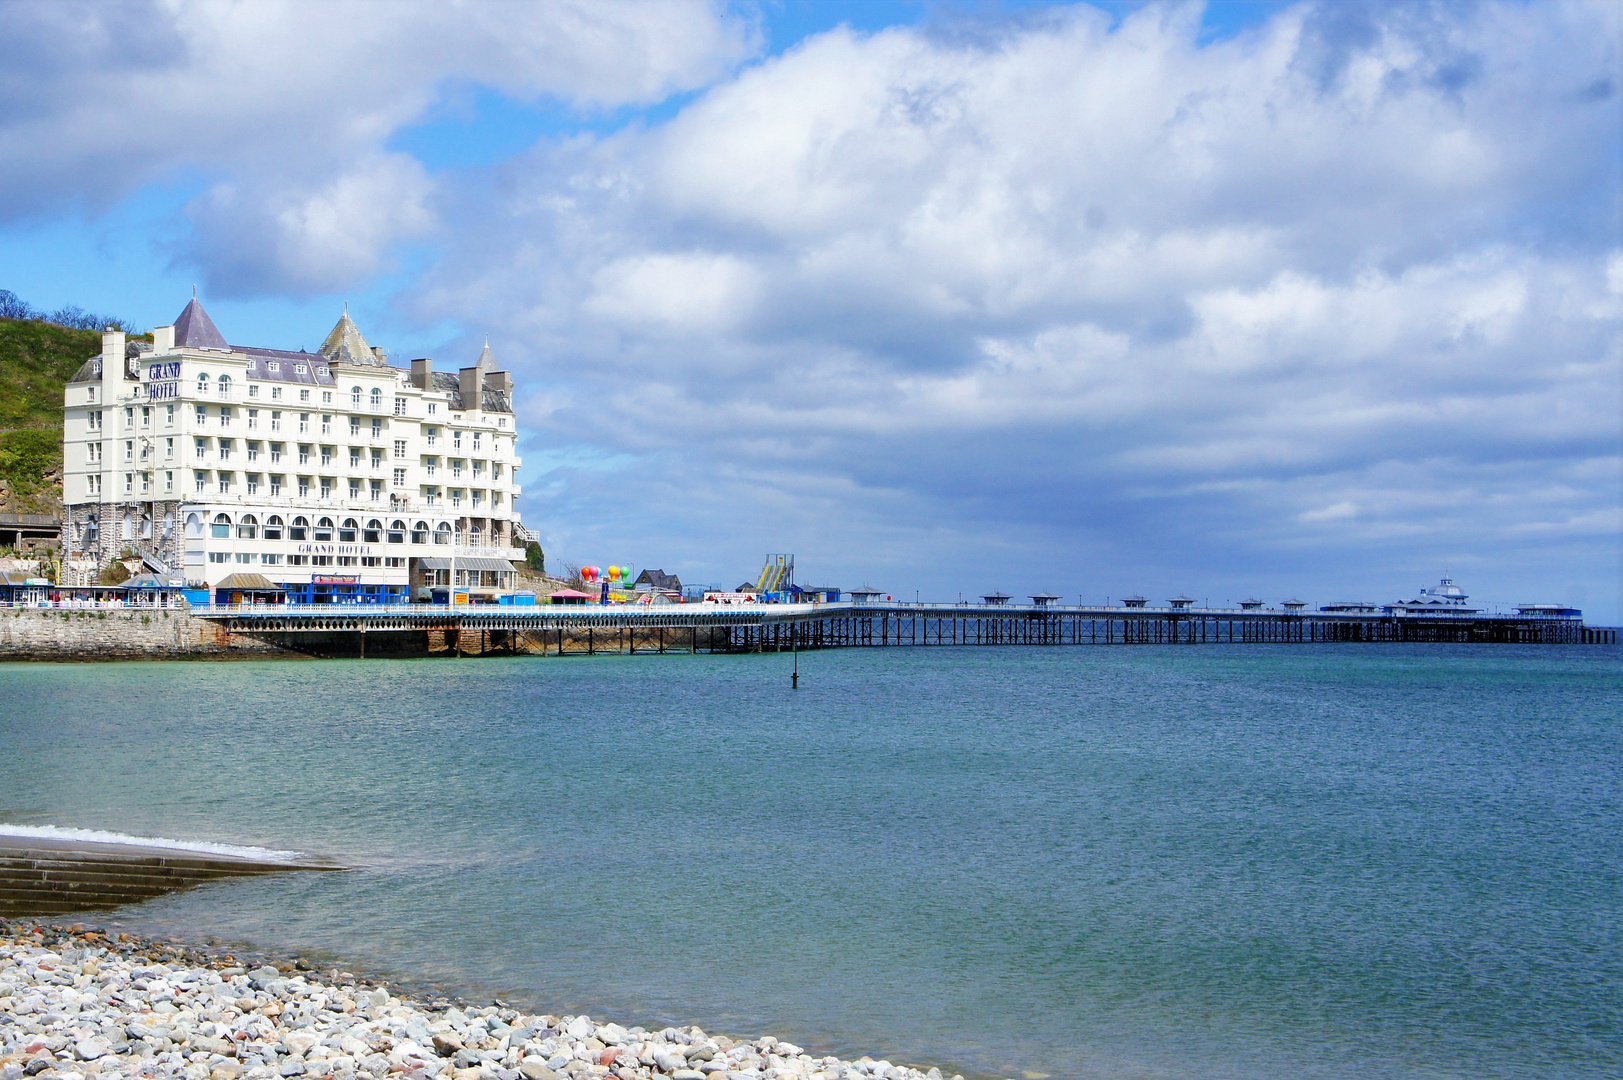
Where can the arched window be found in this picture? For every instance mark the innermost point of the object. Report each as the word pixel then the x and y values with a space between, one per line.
pixel 397 532
pixel 222 527
pixel 202 384
pixel 377 398
pixel 374 532
pixel 273 527
pixel 355 396
pixel 324 529
pixel 194 525
pixel 129 526
pixel 442 533
pixel 300 529
pixel 475 535
pixel 247 527
pixel 93 529
pixel 419 533
pixel 168 526
pixel 146 526
pixel 225 386
pixel 346 531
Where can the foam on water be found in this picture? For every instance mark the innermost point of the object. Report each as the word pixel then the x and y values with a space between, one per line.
pixel 102 836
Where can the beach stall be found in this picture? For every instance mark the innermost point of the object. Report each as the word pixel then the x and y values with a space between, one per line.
pixel 152 591
pixel 249 589
pixel 21 590
pixel 571 596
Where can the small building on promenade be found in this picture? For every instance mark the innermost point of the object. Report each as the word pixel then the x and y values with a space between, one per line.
pixel 333 475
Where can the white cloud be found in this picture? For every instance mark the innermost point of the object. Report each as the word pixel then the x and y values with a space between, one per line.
pixel 280 110
pixel 1074 279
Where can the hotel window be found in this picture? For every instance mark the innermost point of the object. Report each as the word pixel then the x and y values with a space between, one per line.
pixel 202 414
pixel 304 395
pixel 495 472
pixel 326 397
pixel 400 406
pixel 202 384
pixel 324 530
pixel 201 445
pixel 220 529
pixel 169 481
pixel 321 560
pixel 276 419
pixel 276 484
pixel 304 422
pixel 225 483
pixel 431 495
pixel 95 419
pixel 355 457
pixel 442 533
pixel 273 366
pixel 326 456
pixel 355 396
pixel 298 560
pixel 129 449
pixel 225 386
pixel 92 452
pixel 355 427
pixel 373 533
pixel 225 416
pixel 299 529
pixel 270 560
pixel 276 452
pixel 377 427
pixel 253 419
pixel 456 440
pixel 419 533
pixel 478 469
pixel 92 396
pixel 253 389
pixel 501 421
pixel 354 488
pixel 253 449
pixel 273 527
pixel 146 416
pixel 431 432
pixel 371 560
pixel 169 416
pixel 245 556
pixel 377 458
pixel 377 398
pixel 393 561
pixel 326 487
pixel 129 483
pixel 304 453
pixel 202 478
pixel 476 442
pixel 146 482
pixel 400 448
pixel 93 485
pixel 432 408
pixel 304 487
pixel 276 393
pixel 400 478
pixel 253 483
pixel 247 527
pixel 377 490
pixel 478 497
pixel 219 556
pixel 225 449
pixel 456 468
pixel 326 423
pixel 397 532
pixel 429 464
pixel 346 531
pixel 456 497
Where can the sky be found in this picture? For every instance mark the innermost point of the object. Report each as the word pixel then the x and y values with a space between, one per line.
pixel 1311 299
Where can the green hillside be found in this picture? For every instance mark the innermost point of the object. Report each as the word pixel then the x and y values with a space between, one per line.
pixel 36 359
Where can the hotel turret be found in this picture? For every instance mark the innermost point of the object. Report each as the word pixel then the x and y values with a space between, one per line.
pixel 324 477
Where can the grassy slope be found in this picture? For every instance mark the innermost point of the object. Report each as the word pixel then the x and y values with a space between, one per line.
pixel 36 359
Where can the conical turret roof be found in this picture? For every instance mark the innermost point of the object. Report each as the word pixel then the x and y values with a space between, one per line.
pixel 487 359
pixel 346 345
pixel 195 330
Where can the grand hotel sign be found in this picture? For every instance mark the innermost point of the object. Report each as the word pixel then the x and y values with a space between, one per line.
pixel 163 381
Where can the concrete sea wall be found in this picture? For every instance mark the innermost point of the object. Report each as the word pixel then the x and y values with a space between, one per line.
pixel 127 634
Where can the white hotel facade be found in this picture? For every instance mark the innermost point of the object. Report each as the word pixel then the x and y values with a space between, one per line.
pixel 332 474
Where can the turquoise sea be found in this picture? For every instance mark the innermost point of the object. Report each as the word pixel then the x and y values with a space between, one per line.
pixel 1128 862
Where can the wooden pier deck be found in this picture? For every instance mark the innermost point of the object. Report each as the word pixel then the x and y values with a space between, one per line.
pixel 590 629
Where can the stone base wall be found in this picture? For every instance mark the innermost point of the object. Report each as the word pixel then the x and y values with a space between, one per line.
pixel 122 634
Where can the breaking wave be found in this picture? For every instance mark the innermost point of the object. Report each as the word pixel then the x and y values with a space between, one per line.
pixel 101 836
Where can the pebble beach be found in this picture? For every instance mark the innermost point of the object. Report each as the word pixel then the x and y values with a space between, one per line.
pixel 78 1004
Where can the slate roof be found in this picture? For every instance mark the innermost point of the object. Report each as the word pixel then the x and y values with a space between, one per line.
pixel 659 579
pixel 195 330
pixel 346 344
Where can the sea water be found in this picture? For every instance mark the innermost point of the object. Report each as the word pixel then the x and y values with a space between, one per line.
pixel 1124 862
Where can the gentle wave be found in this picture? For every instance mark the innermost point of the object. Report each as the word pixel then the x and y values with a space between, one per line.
pixel 101 836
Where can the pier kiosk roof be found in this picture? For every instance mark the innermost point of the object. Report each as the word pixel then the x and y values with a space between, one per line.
pixel 1044 599
pixel 1133 601
pixel 1181 602
pixel 995 598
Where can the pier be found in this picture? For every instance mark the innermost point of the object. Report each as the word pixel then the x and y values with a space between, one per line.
pixel 420 629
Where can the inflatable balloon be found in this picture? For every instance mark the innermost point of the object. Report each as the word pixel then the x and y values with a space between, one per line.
pixel 614 572
pixel 588 573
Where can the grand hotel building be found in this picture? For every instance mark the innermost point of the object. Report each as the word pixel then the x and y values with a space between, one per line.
pixel 332 474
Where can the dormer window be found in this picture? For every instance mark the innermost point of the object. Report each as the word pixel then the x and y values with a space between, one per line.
pixel 301 369
pixel 322 371
pixel 272 366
